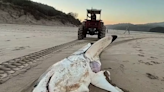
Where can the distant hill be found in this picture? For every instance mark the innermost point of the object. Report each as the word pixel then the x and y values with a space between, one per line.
pixel 29 12
pixel 157 29
pixel 160 24
pixel 134 27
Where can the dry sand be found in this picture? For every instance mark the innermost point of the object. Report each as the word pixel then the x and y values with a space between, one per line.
pixel 135 61
pixel 19 40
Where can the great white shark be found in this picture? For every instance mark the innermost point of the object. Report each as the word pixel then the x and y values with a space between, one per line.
pixel 76 72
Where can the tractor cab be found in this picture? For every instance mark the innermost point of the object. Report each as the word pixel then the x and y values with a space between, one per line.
pixel 93 13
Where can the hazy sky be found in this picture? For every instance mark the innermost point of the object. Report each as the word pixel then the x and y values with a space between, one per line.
pixel 114 11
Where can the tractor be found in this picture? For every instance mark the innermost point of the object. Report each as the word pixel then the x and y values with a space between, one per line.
pixel 91 25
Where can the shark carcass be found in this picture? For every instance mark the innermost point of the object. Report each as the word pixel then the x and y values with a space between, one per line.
pixel 76 72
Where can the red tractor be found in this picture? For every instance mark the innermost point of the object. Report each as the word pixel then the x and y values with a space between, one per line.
pixel 92 26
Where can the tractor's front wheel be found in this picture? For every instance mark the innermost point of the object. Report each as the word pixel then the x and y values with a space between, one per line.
pixel 101 34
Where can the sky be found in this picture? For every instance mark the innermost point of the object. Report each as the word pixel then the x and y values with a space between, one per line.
pixel 114 11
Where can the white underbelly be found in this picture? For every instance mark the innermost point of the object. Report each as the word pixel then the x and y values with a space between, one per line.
pixel 69 75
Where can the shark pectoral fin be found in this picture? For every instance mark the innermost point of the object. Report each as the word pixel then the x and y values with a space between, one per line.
pixel 43 83
pixel 102 80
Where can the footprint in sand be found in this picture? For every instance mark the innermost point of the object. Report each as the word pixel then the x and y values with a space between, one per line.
pixel 147 63
pixel 136 47
pixel 19 48
pixel 141 55
pixel 162 79
pixel 28 46
pixel 140 50
pixel 154 62
pixel 141 61
pixel 151 76
pixel 8 40
pixel 126 61
pixel 122 68
pixel 153 57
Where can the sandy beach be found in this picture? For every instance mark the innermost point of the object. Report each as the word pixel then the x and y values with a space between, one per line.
pixel 135 61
